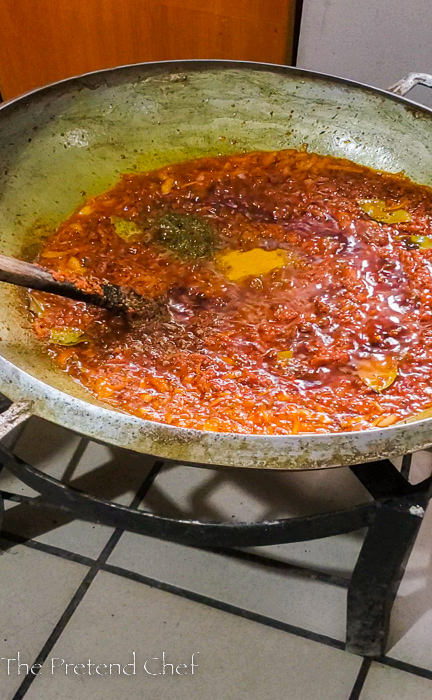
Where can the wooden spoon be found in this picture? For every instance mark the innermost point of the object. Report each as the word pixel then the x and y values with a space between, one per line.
pixel 112 296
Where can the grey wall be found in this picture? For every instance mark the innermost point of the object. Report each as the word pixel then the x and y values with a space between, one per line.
pixel 372 41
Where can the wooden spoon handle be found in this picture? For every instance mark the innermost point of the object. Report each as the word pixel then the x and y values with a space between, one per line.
pixel 26 274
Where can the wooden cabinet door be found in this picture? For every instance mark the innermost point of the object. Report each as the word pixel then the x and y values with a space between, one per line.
pixel 45 40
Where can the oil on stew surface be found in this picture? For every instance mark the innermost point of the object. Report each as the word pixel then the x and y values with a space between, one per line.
pixel 298 286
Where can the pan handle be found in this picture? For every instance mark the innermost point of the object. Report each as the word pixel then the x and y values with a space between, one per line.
pixel 406 84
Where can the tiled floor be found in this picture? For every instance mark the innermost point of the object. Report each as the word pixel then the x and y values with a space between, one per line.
pixel 266 626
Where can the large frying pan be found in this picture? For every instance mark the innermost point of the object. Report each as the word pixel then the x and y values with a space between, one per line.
pixel 76 136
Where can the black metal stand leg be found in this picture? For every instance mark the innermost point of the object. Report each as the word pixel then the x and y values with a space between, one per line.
pixel 381 565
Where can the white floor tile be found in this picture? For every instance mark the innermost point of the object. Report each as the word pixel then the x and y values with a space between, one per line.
pixel 238 659
pixel 36 589
pixel 102 471
pixel 296 600
pixel 384 683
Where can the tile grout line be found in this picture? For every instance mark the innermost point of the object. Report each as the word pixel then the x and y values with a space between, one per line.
pixel 223 606
pixel 57 631
pixel 47 548
pixel 296 569
pixel 405 666
pixel 360 680
pixel 85 584
pixel 211 602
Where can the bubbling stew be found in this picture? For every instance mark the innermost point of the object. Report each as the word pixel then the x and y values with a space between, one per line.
pixel 295 293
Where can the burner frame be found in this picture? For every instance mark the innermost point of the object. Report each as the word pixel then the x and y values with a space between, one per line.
pixel 393 520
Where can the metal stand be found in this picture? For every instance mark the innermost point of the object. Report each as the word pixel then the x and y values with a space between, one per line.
pixel 399 511
pixel 393 520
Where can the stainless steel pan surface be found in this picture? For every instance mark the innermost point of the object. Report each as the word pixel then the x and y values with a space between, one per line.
pixel 78 135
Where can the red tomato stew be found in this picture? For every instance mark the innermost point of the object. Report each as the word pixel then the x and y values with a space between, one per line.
pixel 295 290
